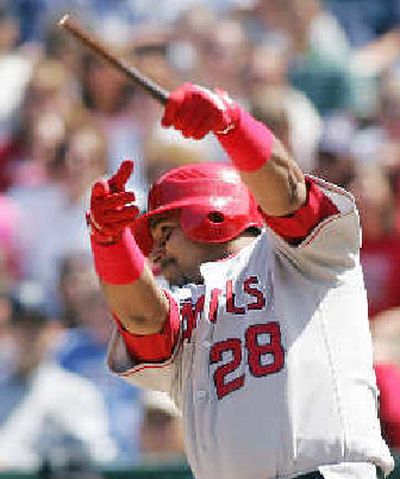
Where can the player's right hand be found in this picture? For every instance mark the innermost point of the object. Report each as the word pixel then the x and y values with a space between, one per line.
pixel 196 111
pixel 111 209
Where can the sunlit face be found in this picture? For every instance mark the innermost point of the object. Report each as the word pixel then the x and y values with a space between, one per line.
pixel 177 257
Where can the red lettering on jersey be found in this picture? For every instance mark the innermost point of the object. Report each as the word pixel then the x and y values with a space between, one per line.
pixel 256 293
pixel 264 354
pixel 189 316
pixel 230 300
pixel 212 315
pixel 258 351
pixel 222 385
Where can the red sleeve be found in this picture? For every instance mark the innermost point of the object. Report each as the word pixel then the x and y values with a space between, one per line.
pixel 156 347
pixel 297 226
pixel 388 380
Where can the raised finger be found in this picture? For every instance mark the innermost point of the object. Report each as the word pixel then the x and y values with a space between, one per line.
pixel 118 181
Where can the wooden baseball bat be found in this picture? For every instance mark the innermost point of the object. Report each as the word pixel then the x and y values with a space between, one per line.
pixel 151 87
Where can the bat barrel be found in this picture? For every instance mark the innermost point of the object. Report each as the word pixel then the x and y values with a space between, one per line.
pixel 151 87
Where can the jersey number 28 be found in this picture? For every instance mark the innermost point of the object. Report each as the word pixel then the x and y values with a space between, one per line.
pixel 257 354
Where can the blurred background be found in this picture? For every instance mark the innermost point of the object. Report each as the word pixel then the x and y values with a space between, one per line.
pixel 323 74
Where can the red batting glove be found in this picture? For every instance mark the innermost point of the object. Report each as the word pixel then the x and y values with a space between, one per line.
pixel 196 111
pixel 110 209
pixel 117 257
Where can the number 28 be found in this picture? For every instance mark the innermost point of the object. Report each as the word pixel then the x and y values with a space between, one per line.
pixel 256 351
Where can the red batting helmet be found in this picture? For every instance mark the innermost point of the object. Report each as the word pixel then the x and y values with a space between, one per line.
pixel 215 204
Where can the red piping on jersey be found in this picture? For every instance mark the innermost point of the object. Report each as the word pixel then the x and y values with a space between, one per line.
pixel 296 227
pixel 318 229
pixel 141 367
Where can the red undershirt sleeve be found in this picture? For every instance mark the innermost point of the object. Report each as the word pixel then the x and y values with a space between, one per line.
pixel 156 347
pixel 297 226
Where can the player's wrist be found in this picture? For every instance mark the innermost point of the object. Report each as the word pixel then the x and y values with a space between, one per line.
pixel 248 143
pixel 98 235
pixel 231 113
pixel 119 261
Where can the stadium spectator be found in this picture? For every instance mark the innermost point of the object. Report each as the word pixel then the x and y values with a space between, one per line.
pixel 386 336
pixel 317 46
pixel 15 71
pixel 380 252
pixel 46 411
pixel 288 112
pixel 369 24
pixel 10 261
pixel 59 207
pixel 83 350
pixel 335 159
pixel 6 344
pixel 161 432
pixel 110 100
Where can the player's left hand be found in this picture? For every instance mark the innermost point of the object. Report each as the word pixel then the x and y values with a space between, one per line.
pixel 196 111
pixel 111 208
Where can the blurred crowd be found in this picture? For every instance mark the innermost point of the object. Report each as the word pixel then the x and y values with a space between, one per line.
pixel 324 75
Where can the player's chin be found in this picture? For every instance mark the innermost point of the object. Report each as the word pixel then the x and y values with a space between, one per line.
pixel 175 277
pixel 170 272
pixel 181 279
pixel 178 276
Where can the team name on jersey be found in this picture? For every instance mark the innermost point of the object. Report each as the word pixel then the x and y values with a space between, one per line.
pixel 264 354
pixel 190 312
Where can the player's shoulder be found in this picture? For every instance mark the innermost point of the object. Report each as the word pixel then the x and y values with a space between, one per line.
pixel 335 239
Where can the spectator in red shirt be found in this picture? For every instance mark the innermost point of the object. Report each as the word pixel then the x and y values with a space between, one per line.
pixel 386 336
pixel 380 253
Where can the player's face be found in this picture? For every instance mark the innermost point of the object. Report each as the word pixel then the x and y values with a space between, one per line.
pixel 176 257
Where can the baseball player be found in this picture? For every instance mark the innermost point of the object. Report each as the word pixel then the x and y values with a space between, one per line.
pixel 263 339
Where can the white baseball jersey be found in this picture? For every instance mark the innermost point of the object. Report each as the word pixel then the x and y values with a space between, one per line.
pixel 273 372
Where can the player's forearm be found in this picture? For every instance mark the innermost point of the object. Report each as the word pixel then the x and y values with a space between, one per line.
pixel 140 306
pixel 265 166
pixel 131 290
pixel 279 185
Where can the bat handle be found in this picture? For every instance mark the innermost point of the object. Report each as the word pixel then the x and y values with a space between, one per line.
pixel 151 87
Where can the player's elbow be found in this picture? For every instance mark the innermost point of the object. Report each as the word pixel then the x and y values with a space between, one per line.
pixel 142 325
pixel 145 320
pixel 287 196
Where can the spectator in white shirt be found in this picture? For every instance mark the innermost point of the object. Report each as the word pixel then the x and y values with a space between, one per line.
pixel 47 413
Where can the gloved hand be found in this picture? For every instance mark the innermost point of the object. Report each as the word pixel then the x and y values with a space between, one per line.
pixel 196 111
pixel 110 209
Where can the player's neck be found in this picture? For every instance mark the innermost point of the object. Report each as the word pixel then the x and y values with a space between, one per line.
pixel 239 243
pixel 231 248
